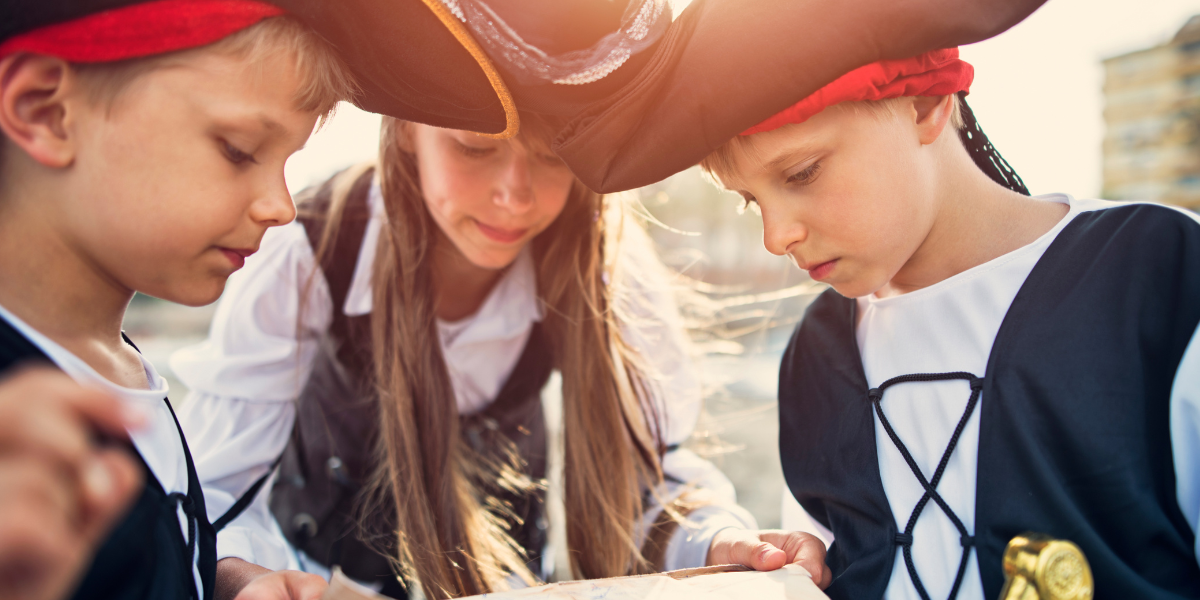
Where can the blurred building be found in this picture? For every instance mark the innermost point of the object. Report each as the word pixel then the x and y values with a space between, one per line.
pixel 1152 114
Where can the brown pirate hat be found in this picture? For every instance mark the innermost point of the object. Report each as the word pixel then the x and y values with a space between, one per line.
pixel 412 59
pixel 643 99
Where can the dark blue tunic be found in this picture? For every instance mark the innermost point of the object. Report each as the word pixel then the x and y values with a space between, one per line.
pixel 1074 429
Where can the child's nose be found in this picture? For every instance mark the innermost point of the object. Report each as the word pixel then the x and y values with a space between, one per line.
pixel 515 191
pixel 275 207
pixel 779 234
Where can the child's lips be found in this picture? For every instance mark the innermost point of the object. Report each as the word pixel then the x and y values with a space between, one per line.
pixel 237 256
pixel 504 236
pixel 820 271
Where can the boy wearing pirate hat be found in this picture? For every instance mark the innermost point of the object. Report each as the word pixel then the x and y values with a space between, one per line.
pixel 142 151
pixel 986 363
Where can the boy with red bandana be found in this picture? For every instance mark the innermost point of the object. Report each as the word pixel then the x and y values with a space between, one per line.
pixel 986 363
pixel 142 151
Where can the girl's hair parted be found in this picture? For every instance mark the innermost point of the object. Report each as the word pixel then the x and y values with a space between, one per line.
pixel 447 535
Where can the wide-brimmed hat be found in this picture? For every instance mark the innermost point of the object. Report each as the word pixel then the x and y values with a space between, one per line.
pixel 412 59
pixel 671 94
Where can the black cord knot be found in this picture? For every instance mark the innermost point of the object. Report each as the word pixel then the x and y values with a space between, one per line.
pixel 185 502
pixel 967 541
pixel 976 384
pixel 904 539
pixel 875 394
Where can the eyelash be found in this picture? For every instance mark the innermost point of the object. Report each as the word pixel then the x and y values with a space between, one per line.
pixel 472 151
pixel 806 176
pixel 236 156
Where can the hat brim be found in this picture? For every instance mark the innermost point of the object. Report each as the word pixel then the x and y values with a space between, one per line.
pixel 413 60
pixel 725 66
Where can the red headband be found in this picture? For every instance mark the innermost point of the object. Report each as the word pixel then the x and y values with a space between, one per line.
pixel 141 30
pixel 936 73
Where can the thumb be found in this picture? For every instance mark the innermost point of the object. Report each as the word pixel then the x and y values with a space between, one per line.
pixel 111 481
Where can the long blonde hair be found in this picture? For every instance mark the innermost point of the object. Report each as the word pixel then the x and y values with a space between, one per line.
pixel 446 534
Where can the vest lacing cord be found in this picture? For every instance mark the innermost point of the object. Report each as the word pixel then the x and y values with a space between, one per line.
pixel 905 540
pixel 189 509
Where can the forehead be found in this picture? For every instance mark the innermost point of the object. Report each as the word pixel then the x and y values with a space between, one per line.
pixel 225 86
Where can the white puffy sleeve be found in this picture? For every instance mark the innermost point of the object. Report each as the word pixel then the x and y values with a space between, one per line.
pixel 1185 434
pixel 653 327
pixel 244 380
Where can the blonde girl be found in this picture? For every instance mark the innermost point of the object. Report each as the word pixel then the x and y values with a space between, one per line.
pixel 391 347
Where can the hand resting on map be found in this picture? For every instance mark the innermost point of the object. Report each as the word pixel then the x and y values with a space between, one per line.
pixel 770 549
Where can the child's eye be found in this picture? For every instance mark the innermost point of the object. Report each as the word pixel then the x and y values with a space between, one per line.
pixel 807 175
pixel 473 151
pixel 236 156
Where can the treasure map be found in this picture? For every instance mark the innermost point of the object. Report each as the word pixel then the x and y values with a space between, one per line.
pixel 708 583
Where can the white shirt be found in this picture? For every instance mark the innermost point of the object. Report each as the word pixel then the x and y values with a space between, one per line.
pixel 246 377
pixel 158 442
pixel 951 326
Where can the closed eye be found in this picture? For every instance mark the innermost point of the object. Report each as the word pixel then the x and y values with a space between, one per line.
pixel 473 151
pixel 236 156
pixel 806 176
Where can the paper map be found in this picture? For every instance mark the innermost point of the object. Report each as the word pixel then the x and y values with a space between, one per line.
pixel 710 583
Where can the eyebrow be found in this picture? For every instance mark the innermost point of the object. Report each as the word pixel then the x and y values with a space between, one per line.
pixel 788 155
pixel 270 124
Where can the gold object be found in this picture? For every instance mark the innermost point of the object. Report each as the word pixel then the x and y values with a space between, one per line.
pixel 1038 567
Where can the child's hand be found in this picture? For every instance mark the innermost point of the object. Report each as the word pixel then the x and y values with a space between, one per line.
pixel 60 493
pixel 770 549
pixel 284 585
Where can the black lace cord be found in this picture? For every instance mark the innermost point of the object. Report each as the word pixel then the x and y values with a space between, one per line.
pixel 189 509
pixel 985 155
pixel 905 540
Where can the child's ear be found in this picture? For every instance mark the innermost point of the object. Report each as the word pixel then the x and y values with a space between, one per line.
pixel 932 115
pixel 33 111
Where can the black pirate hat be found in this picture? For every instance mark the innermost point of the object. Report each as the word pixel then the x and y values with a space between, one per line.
pixel 412 59
pixel 648 97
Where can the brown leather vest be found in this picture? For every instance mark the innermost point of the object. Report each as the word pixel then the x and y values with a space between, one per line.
pixel 332 449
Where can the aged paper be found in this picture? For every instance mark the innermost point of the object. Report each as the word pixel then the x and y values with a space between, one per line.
pixel 711 583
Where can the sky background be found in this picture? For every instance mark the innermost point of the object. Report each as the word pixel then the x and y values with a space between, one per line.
pixel 1037 93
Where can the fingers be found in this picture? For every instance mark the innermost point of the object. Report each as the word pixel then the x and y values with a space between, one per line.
pixel 59 491
pixel 742 547
pixel 284 585
pixel 803 549
pixel 305 586
pixel 40 553
pixel 112 481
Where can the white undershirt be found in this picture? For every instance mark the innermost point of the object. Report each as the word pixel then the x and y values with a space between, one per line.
pixel 946 327
pixel 245 378
pixel 158 442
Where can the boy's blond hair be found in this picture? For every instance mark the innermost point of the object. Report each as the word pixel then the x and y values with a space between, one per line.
pixel 720 164
pixel 325 80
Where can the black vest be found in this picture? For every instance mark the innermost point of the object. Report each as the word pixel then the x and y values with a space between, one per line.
pixel 332 453
pixel 1074 434
pixel 146 556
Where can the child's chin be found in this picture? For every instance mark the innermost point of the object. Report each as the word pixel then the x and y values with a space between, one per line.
pixel 198 295
pixel 851 289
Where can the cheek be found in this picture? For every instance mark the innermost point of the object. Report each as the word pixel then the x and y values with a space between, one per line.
pixel 450 189
pixel 551 191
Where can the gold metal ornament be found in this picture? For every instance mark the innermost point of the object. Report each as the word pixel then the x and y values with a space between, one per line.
pixel 1038 567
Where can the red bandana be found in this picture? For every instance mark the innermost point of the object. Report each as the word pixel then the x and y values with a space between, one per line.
pixel 141 30
pixel 937 73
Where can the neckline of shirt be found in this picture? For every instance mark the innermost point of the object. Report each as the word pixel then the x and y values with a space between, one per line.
pixel 78 369
pixel 1073 210
pixel 509 310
